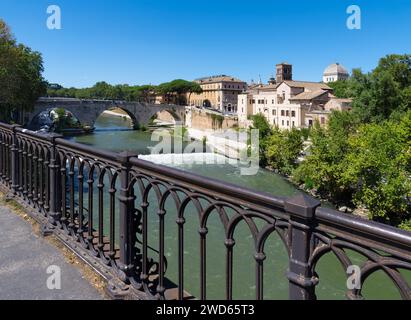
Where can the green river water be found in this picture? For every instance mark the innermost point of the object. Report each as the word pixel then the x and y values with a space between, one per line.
pixel 112 134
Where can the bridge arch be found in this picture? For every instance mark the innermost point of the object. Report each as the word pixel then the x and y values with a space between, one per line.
pixel 44 118
pixel 119 111
pixel 87 111
pixel 166 116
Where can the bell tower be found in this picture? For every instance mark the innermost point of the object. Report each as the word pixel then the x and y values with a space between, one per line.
pixel 284 71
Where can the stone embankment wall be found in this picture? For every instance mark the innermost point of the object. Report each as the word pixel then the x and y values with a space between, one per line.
pixel 204 119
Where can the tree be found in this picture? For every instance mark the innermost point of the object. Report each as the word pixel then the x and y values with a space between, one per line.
pixel 379 166
pixel 382 93
pixel 398 66
pixel 283 148
pixel 194 87
pixel 340 88
pixel 264 131
pixel 323 167
pixel 175 90
pixel 20 75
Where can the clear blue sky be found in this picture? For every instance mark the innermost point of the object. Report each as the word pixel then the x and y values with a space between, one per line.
pixel 152 41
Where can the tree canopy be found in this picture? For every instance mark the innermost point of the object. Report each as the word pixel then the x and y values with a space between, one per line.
pixel 21 77
pixel 172 91
pixel 361 159
pixel 382 93
pixel 364 157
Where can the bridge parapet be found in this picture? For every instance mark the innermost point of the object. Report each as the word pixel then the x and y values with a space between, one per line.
pixel 87 111
pixel 102 205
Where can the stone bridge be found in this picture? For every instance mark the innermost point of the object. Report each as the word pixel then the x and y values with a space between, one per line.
pixel 87 111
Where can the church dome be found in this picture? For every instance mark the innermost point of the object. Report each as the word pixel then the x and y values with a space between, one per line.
pixel 335 68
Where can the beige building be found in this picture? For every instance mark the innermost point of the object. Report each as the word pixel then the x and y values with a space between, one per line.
pixel 335 72
pixel 289 103
pixel 321 113
pixel 219 92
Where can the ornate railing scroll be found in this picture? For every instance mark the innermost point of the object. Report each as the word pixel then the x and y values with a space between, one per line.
pixel 384 248
pixel 106 202
pixel 208 197
pixel 6 136
pixel 88 182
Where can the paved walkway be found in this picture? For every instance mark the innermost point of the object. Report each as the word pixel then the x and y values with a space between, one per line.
pixel 24 260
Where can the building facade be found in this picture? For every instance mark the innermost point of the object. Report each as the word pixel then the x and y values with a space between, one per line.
pixel 219 92
pixel 322 113
pixel 289 103
pixel 335 72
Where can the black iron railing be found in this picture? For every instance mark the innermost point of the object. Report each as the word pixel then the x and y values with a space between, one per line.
pixel 102 205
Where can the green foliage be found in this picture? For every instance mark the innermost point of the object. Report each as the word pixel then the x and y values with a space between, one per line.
pixel 368 164
pixel 103 90
pixel 151 122
pixel 283 149
pixel 279 149
pixel 173 91
pixel 64 120
pixel 385 92
pixel 379 164
pixel 261 124
pixel 364 157
pixel 340 88
pixel 324 166
pixel 305 133
pixel 21 77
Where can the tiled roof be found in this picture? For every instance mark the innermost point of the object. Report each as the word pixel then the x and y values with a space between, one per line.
pixel 215 79
pixel 309 95
pixel 335 68
pixel 310 86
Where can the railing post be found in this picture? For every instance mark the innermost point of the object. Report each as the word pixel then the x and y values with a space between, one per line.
pixel 55 204
pixel 14 161
pixel 302 215
pixel 126 206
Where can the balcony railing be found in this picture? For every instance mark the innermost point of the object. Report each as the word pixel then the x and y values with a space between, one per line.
pixel 114 211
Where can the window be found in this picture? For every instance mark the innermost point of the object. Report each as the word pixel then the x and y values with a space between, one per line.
pixel 273 121
pixel 293 124
pixel 274 112
pixel 288 123
pixel 242 101
pixel 322 120
pixel 293 113
pixel 282 114
pixel 253 100
pixel 242 110
pixel 282 122
pixel 287 113
pixel 272 101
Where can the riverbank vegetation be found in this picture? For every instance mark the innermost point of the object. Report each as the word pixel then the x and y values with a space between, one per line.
pixel 362 159
pixel 172 92
pixel 21 77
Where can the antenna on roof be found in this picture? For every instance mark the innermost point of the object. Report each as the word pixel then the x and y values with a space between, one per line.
pixel 259 76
